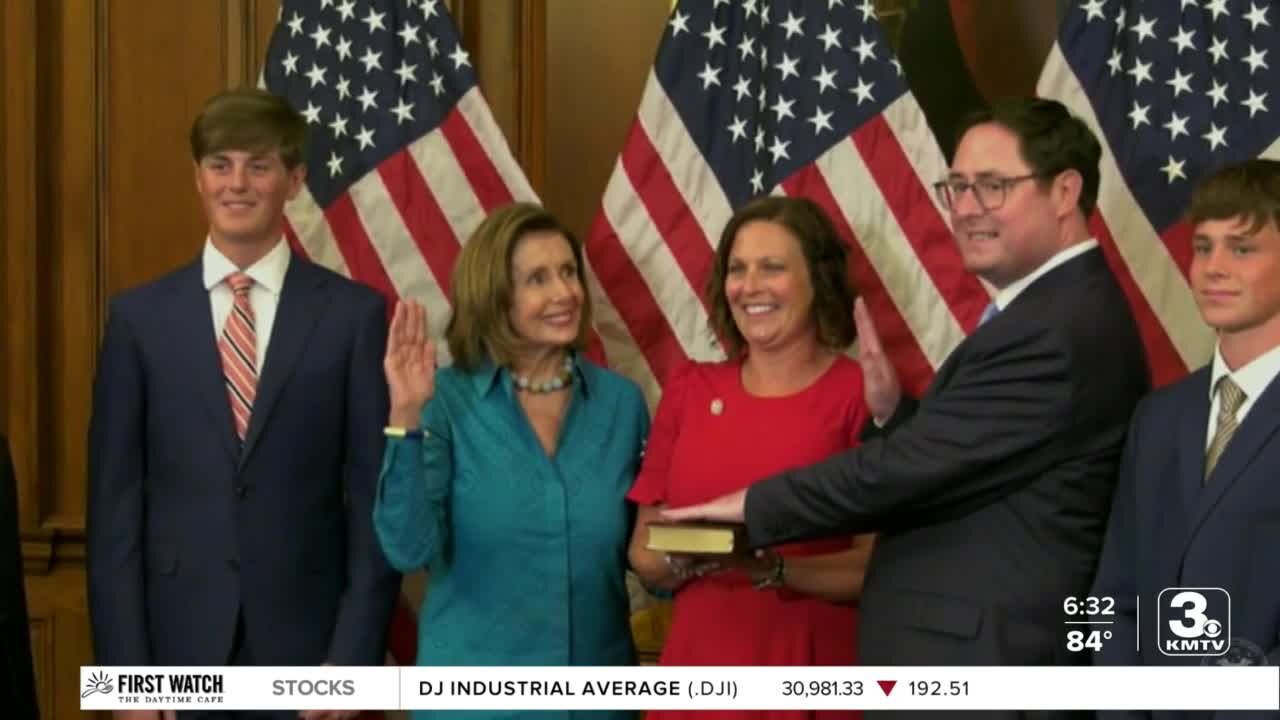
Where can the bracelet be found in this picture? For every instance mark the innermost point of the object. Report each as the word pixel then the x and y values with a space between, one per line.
pixel 775 577
pixel 409 433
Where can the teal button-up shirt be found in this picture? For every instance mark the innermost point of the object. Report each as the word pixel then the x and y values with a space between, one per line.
pixel 527 554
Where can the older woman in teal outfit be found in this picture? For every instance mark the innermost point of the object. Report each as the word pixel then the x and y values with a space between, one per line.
pixel 505 475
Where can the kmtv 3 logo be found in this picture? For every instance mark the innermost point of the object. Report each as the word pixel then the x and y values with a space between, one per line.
pixel 1193 621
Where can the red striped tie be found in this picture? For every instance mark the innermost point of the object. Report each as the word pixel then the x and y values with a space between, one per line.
pixel 238 347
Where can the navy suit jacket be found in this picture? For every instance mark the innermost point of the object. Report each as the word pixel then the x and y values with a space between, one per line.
pixel 991 499
pixel 187 531
pixel 1169 528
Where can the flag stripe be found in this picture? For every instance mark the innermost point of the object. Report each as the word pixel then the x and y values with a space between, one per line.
pixel 621 350
pixel 909 361
pixel 353 241
pixel 313 234
pixel 923 223
pixel 483 178
pixel 487 133
pixel 677 301
pixel 422 218
pixel 295 243
pixel 694 180
pixel 442 172
pixel 910 288
pixel 670 216
pixel 1273 151
pixel 630 296
pixel 1162 357
pixel 1177 240
pixel 403 268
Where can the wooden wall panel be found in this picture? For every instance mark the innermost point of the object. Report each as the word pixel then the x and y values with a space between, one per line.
pixel 20 354
pixel 265 13
pixel 162 63
pixel 598 56
pixel 60 641
pixel 68 106
pixel 5 141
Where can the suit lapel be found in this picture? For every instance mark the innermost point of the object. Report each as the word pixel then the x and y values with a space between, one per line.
pixel 302 302
pixel 1192 427
pixel 1253 434
pixel 196 342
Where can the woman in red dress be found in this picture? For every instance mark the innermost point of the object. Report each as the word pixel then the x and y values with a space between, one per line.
pixel 788 396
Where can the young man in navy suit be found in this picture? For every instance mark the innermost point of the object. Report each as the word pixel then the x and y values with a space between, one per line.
pixel 1198 505
pixel 236 434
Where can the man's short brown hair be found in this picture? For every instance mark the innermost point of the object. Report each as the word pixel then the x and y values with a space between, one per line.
pixel 482 286
pixel 250 120
pixel 1249 190
pixel 1051 140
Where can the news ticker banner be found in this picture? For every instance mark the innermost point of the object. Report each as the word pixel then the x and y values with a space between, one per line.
pixel 683 688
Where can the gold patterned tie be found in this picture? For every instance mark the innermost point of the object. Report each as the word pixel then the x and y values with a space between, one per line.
pixel 1230 398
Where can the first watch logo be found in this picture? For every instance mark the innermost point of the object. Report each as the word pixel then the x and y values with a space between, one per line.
pixel 1194 622
pixel 98 682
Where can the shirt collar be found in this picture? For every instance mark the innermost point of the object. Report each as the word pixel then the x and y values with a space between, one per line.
pixel 268 272
pixel 1253 378
pixel 1014 289
pixel 488 376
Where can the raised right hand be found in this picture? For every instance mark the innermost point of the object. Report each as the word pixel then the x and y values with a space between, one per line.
pixel 410 363
pixel 880 379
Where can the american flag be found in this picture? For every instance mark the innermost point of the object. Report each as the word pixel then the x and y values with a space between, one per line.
pixel 801 98
pixel 1174 90
pixel 404 160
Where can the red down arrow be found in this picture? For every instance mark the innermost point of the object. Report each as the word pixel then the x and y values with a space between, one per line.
pixel 886 686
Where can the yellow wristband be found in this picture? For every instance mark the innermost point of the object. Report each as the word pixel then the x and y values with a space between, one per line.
pixel 399 432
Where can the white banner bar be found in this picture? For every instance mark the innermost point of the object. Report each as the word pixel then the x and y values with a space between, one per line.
pixel 691 688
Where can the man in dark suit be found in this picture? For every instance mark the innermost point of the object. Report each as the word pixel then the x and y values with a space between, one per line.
pixel 991 495
pixel 236 436
pixel 1198 504
pixel 17 678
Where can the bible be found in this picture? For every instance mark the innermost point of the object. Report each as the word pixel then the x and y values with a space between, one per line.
pixel 697 538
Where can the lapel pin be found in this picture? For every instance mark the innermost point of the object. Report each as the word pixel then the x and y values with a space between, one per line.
pixel 717 406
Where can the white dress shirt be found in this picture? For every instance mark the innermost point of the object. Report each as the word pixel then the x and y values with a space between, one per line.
pixel 264 297
pixel 1014 289
pixel 1253 378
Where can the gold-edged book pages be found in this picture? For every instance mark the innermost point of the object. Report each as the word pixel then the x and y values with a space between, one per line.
pixel 697 538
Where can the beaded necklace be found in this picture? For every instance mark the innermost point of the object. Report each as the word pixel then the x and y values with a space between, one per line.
pixel 561 379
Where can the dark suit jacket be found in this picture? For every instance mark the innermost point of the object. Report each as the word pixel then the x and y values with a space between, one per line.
pixel 17 678
pixel 1171 529
pixel 186 531
pixel 992 498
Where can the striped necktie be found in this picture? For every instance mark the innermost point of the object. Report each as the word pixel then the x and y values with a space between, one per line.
pixel 238 347
pixel 1230 398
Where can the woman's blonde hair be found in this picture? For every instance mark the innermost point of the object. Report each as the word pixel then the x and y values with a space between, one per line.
pixel 482 287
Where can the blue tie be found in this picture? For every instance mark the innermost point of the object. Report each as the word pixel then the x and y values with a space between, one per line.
pixel 991 311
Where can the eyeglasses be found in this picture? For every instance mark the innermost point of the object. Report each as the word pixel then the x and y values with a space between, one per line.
pixel 990 192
